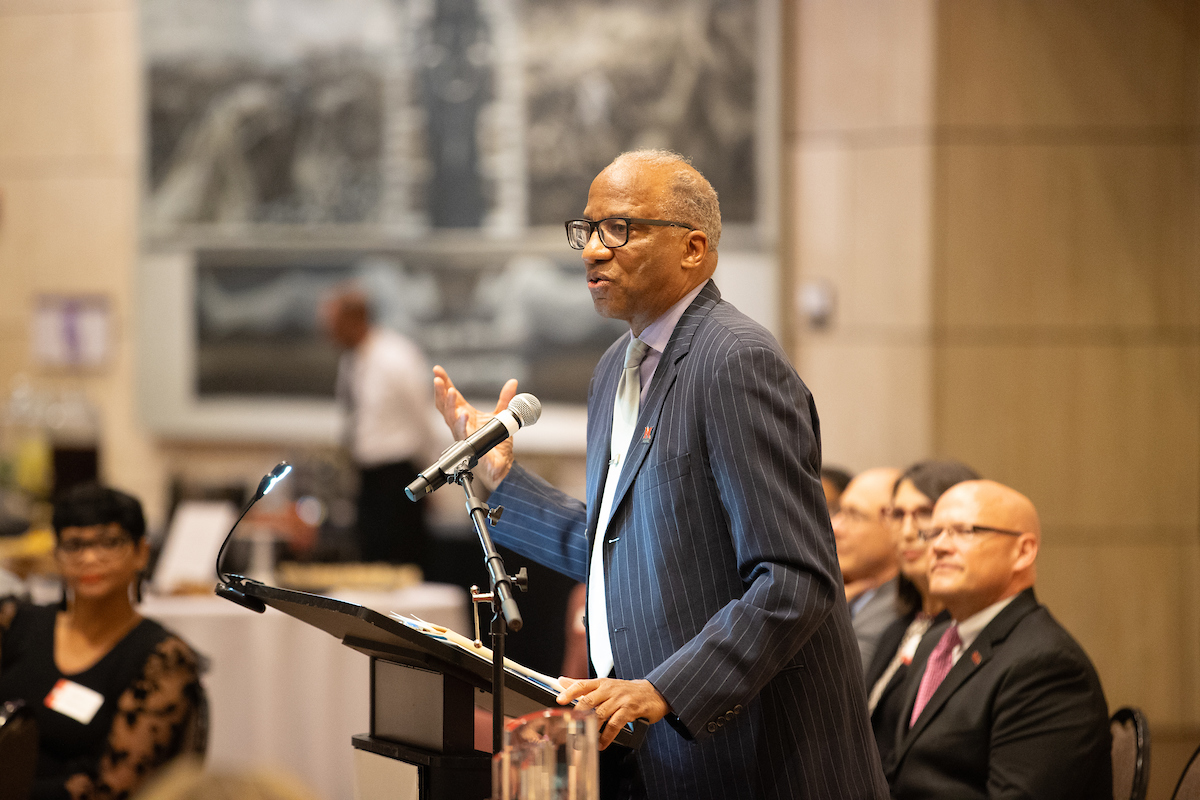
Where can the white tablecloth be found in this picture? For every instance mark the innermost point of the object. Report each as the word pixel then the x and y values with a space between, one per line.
pixel 284 694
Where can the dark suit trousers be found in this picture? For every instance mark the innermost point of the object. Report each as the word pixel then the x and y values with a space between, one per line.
pixel 391 528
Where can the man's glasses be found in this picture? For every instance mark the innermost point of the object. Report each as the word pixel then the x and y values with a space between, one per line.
pixel 614 231
pixel 851 514
pixel 106 545
pixel 896 516
pixel 961 533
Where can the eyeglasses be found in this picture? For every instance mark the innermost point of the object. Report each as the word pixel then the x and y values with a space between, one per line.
pixel 106 546
pixel 614 231
pixel 962 533
pixel 897 515
pixel 852 514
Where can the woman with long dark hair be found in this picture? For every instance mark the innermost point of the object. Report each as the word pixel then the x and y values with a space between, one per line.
pixel 913 497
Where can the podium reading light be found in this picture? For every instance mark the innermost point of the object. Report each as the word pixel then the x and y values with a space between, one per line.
pixel 231 586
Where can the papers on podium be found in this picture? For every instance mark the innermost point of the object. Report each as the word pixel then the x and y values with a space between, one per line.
pixel 475 648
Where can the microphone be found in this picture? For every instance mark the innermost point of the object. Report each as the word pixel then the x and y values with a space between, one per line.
pixel 522 412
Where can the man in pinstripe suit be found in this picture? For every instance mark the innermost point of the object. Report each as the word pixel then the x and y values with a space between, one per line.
pixel 721 604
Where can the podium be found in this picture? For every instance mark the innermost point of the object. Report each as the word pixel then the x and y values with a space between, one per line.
pixel 424 691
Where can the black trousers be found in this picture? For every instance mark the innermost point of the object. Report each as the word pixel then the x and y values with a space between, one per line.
pixel 391 528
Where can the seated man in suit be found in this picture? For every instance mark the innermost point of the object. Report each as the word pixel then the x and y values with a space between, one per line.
pixel 1000 701
pixel 867 556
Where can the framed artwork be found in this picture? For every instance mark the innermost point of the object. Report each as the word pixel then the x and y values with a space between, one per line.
pixel 71 332
pixel 429 149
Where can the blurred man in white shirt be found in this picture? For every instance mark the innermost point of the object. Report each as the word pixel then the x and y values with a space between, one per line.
pixel 384 392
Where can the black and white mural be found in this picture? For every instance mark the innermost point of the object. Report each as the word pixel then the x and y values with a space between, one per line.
pixel 258 333
pixel 391 137
pixel 411 115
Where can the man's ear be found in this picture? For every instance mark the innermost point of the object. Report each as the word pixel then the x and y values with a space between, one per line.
pixel 1027 550
pixel 695 249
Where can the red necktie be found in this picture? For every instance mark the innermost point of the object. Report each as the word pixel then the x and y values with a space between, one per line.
pixel 936 668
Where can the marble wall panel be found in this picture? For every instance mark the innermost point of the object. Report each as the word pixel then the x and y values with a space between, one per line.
pixel 1076 236
pixel 1104 439
pixel 27 7
pixel 129 457
pixel 872 399
pixel 1014 65
pixel 1190 641
pixel 66 234
pixel 863 224
pixel 68 87
pixel 14 352
pixel 1121 602
pixel 862 64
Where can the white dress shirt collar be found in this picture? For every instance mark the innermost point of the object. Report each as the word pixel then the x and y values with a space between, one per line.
pixel 970 628
pixel 658 333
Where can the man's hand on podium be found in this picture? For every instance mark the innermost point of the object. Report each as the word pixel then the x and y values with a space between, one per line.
pixel 615 702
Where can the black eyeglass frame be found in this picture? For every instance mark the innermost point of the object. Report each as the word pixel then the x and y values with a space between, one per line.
pixel 896 516
pixel 594 227
pixel 929 534
pixel 108 543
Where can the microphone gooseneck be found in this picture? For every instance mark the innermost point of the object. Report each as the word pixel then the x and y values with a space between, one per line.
pixel 228 586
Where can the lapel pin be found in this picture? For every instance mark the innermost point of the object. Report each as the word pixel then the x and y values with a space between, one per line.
pixel 647 434
pixel 976 658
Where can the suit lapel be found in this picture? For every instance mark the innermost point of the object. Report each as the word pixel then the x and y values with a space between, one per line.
pixel 972 659
pixel 664 377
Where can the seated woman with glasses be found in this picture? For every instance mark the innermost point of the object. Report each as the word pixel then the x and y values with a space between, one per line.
pixel 112 692
pixel 913 496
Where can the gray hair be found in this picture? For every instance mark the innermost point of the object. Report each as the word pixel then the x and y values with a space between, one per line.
pixel 691 197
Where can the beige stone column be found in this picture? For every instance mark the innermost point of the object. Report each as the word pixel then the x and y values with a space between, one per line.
pixel 1005 199
pixel 858 160
pixel 1067 275
pixel 69 140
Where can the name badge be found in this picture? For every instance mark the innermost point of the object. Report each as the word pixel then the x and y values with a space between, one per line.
pixel 74 700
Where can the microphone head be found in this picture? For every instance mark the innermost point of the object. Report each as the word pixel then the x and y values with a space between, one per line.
pixel 526 408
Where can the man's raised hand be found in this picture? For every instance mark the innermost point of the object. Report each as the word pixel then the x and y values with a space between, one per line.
pixel 463 419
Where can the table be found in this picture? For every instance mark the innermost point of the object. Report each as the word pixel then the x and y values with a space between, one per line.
pixel 283 694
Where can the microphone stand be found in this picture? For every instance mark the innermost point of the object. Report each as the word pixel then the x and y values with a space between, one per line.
pixel 505 613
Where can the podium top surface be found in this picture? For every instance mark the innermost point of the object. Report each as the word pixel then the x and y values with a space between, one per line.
pixel 377 634
pixel 381 636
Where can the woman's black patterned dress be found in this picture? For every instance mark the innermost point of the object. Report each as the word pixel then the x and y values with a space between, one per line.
pixel 150 684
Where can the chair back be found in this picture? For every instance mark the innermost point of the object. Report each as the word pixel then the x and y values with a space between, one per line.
pixel 1130 753
pixel 1188 787
pixel 18 750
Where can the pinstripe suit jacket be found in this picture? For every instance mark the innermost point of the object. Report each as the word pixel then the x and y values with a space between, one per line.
pixel 721 573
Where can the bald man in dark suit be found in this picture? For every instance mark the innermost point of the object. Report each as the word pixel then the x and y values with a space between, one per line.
pixel 1001 702
pixel 715 608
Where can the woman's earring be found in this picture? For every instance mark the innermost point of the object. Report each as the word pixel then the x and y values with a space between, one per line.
pixel 62 602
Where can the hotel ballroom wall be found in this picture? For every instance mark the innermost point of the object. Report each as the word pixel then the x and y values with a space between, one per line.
pixel 1003 198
